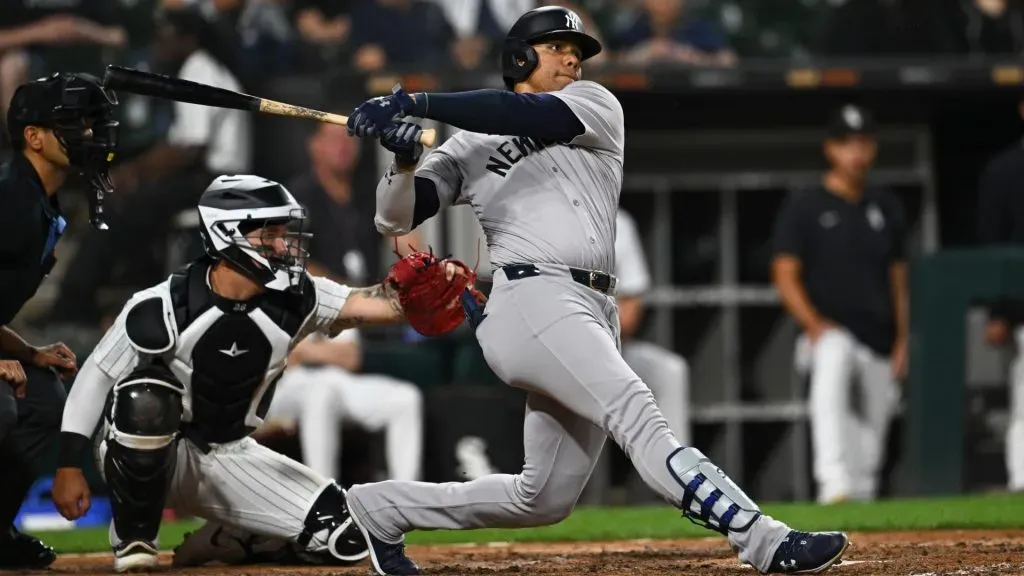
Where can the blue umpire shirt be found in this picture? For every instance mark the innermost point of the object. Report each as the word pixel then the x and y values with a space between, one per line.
pixel 31 224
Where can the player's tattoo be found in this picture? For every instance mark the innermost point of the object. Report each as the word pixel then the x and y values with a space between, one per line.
pixel 376 292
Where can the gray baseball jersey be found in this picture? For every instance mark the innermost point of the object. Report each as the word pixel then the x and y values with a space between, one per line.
pixel 541 202
pixel 553 205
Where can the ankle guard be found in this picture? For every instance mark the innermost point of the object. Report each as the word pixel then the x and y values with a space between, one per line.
pixel 710 498
pixel 329 524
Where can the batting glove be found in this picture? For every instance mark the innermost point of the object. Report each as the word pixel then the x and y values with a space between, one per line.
pixel 376 115
pixel 403 139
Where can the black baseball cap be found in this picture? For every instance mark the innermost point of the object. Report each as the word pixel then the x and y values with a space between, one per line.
pixel 850 120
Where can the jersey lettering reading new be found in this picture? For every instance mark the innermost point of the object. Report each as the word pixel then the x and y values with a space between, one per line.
pixel 228 354
pixel 541 202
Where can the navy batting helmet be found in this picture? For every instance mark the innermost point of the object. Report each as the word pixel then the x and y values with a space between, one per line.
pixel 518 58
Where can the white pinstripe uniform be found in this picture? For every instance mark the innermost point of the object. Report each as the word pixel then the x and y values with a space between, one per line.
pixel 665 372
pixel 321 398
pixel 240 482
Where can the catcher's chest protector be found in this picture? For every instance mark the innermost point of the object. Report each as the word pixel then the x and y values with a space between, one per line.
pixel 235 350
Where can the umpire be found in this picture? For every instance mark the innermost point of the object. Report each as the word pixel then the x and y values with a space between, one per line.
pixel 60 128
pixel 840 269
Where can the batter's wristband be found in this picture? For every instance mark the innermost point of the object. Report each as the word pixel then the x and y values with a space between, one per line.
pixel 72 448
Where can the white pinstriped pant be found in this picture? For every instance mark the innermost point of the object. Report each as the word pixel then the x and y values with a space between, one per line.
pixel 243 484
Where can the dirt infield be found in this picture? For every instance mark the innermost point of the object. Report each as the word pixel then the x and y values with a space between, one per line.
pixel 899 553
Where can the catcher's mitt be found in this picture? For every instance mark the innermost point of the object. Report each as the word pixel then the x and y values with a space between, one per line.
pixel 433 304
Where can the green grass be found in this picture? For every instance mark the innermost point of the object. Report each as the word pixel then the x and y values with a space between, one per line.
pixel 974 512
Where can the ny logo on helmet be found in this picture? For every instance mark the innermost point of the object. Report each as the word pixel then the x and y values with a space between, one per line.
pixel 572 21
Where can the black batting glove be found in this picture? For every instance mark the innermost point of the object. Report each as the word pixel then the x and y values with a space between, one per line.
pixel 403 138
pixel 372 117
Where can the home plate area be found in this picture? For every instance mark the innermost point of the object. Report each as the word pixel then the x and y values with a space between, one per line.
pixel 902 553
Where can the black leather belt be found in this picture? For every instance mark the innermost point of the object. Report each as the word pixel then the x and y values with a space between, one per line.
pixel 594 279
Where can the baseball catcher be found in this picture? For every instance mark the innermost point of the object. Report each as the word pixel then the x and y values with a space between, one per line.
pixel 187 372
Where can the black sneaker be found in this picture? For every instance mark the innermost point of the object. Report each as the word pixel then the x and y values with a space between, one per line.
pixel 808 552
pixel 387 559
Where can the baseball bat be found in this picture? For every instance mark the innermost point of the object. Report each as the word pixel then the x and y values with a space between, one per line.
pixel 177 89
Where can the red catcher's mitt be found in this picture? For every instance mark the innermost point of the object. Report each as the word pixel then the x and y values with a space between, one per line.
pixel 432 303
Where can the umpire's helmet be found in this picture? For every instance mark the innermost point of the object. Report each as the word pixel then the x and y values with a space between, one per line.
pixel 518 58
pixel 233 207
pixel 66 103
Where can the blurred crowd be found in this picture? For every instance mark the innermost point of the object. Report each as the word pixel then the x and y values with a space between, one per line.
pixel 171 151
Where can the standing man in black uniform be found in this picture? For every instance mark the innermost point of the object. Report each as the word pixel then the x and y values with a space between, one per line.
pixel 1001 223
pixel 841 271
pixel 59 126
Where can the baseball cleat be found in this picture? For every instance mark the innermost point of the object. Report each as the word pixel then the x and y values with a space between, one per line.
pixel 387 559
pixel 215 542
pixel 19 551
pixel 135 556
pixel 808 552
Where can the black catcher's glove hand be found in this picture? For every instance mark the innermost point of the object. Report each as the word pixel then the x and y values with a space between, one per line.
pixel 375 115
pixel 403 139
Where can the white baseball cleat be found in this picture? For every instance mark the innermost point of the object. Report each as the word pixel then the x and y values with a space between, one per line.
pixel 135 556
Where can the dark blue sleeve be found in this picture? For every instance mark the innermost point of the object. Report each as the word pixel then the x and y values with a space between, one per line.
pixel 427 201
pixel 490 111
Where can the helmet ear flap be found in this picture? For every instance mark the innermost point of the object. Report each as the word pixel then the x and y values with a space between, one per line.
pixel 519 60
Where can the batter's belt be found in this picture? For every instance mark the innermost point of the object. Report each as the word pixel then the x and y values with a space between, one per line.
pixel 594 279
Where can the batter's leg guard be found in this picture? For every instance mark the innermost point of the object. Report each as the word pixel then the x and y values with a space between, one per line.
pixel 710 498
pixel 140 455
pixel 329 523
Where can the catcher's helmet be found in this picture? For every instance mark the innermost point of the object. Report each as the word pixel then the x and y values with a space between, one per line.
pixel 66 103
pixel 518 58
pixel 232 207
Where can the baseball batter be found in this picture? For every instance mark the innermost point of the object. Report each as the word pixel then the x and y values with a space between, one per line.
pixel 187 372
pixel 541 165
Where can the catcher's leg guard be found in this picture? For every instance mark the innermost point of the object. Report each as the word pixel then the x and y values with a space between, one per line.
pixel 710 498
pixel 140 450
pixel 329 523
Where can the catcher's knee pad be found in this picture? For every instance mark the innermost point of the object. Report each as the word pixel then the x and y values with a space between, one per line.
pixel 328 525
pixel 145 413
pixel 710 498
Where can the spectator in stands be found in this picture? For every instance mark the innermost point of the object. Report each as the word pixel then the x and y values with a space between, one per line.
pixel 255 37
pixel 841 271
pixel 345 246
pixel 976 27
pixel 322 388
pixel 1001 223
pixel 665 372
pixel 39 38
pixel 202 143
pixel 400 33
pixel 480 27
pixel 663 32
pixel 894 32
pixel 324 28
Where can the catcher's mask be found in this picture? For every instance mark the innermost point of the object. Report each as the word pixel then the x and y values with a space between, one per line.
pixel 80 112
pixel 257 227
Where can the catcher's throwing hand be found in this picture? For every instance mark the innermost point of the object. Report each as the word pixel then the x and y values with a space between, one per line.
pixel 375 115
pixel 57 356
pixel 13 373
pixel 431 291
